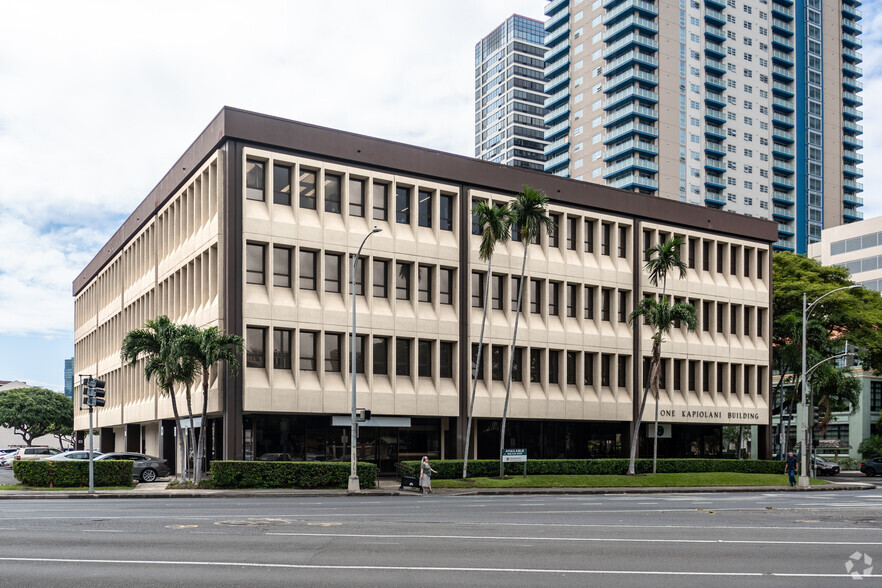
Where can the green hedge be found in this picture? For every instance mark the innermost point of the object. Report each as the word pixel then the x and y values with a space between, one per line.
pixel 289 474
pixel 452 468
pixel 72 474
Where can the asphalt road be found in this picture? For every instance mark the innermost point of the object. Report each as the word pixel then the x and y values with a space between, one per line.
pixel 726 539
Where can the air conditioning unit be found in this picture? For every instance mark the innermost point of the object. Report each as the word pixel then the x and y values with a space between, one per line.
pixel 663 431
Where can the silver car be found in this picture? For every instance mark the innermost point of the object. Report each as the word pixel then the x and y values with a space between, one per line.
pixel 145 468
pixel 76 455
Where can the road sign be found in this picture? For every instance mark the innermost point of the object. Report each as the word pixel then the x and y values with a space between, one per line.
pixel 514 455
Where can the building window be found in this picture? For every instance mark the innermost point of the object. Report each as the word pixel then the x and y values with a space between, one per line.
pixel 589 236
pixel 307 351
pixel 402 281
pixel 623 306
pixel 402 356
pixel 589 368
pixel 333 351
pixel 553 366
pixel 622 372
pixel 333 185
pixel 535 365
pixel 381 202
pixel 281 349
pixel 605 304
pixel 553 298
pixel 424 358
pixel 705 255
pixel 571 233
pixel 515 292
pixel 282 267
pixel 719 306
pixel 623 242
pixel 554 231
pixel 497 360
pixel 381 284
pixel 255 338
pixel 402 205
pixel 605 232
pixel 359 274
pixel 496 291
pixel 425 208
pixel 678 373
pixel 445 353
pixel 692 243
pixel 517 363
pixel 535 296
pixel 445 293
pixel 307 269
pixel 589 302
pixel 381 355
pixel 875 396
pixel 360 342
pixel 477 290
pixel 477 369
pixel 307 188
pixel 720 370
pixel 571 367
pixel 255 180
pixel 446 223
pixel 605 360
pixel 693 367
pixel 255 254
pixel 282 184
pixel 356 197
pixel 424 283
pixel 332 272
pixel 572 295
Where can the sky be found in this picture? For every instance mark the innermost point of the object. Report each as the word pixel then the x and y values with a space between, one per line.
pixel 99 98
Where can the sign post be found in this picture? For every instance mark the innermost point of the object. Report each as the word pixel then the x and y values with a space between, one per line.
pixel 515 456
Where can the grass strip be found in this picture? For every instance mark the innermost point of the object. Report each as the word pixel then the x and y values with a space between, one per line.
pixel 639 481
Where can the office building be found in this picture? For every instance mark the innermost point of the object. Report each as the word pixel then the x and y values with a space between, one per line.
pixel 69 378
pixel 749 106
pixel 510 94
pixel 252 231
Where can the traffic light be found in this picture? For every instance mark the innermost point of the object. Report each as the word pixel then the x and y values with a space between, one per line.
pixel 94 393
pixel 816 416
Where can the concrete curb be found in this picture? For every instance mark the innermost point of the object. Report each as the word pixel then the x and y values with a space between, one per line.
pixel 392 490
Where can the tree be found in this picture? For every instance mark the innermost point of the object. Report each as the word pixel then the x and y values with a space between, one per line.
pixel 34 412
pixel 158 344
pixel 871 447
pixel 207 348
pixel 494 222
pixel 529 214
pixel 661 316
pixel 850 316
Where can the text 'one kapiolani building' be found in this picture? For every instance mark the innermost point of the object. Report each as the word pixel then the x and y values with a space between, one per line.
pixel 252 231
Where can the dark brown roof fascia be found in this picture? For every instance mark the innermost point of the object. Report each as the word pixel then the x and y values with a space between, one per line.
pixel 261 129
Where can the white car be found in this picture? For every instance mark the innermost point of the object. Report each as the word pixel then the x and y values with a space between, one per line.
pixel 31 454
pixel 76 455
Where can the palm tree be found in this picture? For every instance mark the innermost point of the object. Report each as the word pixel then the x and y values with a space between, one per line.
pixel 494 223
pixel 158 344
pixel 661 316
pixel 529 213
pixel 207 347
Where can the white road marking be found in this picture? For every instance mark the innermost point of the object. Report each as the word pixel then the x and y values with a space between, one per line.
pixel 380 568
pixel 102 531
pixel 577 539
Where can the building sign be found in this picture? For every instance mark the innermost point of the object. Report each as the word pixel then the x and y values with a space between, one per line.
pixel 514 455
pixel 715 415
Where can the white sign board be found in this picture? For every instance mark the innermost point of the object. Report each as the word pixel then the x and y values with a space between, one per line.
pixel 514 455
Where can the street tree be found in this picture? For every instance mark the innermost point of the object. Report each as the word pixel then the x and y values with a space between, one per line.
pixel 207 348
pixel 158 345
pixel 661 316
pixel 34 412
pixel 529 216
pixel 494 222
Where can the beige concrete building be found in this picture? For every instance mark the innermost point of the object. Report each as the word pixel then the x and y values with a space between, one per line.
pixel 253 228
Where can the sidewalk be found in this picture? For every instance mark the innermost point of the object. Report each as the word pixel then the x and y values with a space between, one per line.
pixel 389 487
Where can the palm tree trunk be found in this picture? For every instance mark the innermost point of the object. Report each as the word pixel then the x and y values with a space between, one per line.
pixel 465 457
pixel 656 350
pixel 200 444
pixel 191 433
pixel 514 340
pixel 180 430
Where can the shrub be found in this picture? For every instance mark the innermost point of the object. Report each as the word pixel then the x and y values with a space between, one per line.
pixel 849 463
pixel 72 474
pixel 871 447
pixel 289 474
pixel 483 468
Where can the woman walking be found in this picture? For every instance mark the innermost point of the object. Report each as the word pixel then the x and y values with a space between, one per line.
pixel 426 472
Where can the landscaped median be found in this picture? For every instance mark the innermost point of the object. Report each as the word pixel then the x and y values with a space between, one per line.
pixel 608 473
pixel 71 474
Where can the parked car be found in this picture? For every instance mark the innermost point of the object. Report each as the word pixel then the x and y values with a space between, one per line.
pixel 824 467
pixel 872 467
pixel 71 455
pixel 146 467
pixel 33 453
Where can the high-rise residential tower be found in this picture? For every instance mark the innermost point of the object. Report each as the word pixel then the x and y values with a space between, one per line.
pixel 510 94
pixel 746 105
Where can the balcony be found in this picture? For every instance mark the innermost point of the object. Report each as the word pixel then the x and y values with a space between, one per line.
pixel 851 84
pixel 784 244
pixel 627 7
pixel 714 83
pixel 782 12
pixel 785 198
pixel 633 57
pixel 634 181
pixel 782 74
pixel 557 130
pixel 632 128
pixel 714 165
pixel 715 182
pixel 715 116
pixel 782 105
pixel 852 199
pixel 852 99
pixel 714 17
pixel 780 89
pixel 852 127
pixel 629 94
pixel 782 28
pixel 634 110
pixel 779 134
pixel 558 99
pixel 556 163
pixel 713 33
pixel 629 42
pixel 714 149
pixel 714 132
pixel 783 120
pixel 851 11
pixel 714 50
pixel 782 213
pixel 555 6
pixel 634 145
pixel 852 156
pixel 633 164
pixel 852 55
pixel 785 230
pixel 714 67
pixel 779 165
pixel 852 69
pixel 558 20
pixel 631 23
pixel 558 115
pixel 714 199
pixel 629 77
pixel 852 142
pixel 852 113
pixel 851 41
pixel 714 99
pixel 555 41
pixel 558 146
pixel 783 182
pixel 852 185
pixel 559 82
pixel 779 150
pixel 851 215
pixel 782 42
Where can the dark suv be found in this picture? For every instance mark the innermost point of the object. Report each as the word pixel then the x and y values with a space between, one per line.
pixel 871 467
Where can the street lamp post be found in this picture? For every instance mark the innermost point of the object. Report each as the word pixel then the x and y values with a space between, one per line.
pixel 353 459
pixel 803 429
